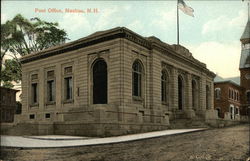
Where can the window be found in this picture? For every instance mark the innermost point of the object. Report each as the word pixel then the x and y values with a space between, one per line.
pixel 51 90
pixel 68 88
pixel 164 87
pixel 50 86
pixel 34 92
pixel 234 95
pixel 180 92
pixel 68 83
pixel 137 79
pixel 248 96
pixel 32 116
pixel 219 112
pixel 229 93
pixel 237 111
pixel 47 115
pixel 217 93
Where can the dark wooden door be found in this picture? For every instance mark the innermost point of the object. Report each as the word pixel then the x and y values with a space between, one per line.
pixel 100 82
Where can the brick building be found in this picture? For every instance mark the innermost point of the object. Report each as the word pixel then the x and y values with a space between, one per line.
pixel 245 70
pixel 227 99
pixel 113 82
pixel 232 100
pixel 8 104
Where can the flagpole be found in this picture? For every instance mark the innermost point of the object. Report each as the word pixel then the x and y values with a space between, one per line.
pixel 177 24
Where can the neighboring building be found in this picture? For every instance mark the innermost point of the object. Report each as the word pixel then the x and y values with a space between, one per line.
pixel 227 99
pixel 231 99
pixel 8 104
pixel 113 82
pixel 245 70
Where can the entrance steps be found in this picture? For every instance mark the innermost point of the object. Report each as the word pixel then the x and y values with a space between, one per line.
pixel 184 123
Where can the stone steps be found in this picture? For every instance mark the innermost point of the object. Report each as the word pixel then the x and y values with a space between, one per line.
pixel 188 123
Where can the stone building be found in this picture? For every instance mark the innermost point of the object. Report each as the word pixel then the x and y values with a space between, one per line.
pixel 8 104
pixel 113 82
pixel 227 99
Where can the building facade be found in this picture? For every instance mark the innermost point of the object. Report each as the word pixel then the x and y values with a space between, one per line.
pixel 245 70
pixel 232 100
pixel 111 83
pixel 8 104
pixel 227 96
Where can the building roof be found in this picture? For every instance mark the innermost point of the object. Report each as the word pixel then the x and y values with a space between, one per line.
pixel 231 80
pixel 150 43
pixel 246 33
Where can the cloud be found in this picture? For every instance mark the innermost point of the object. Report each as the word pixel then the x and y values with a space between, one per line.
pixel 136 26
pixel 75 22
pixel 220 58
pixel 107 19
pixel 224 23
pixel 165 18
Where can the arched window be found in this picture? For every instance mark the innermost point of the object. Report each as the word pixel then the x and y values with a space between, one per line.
pixel 100 82
pixel 137 79
pixel 164 86
pixel 217 93
pixel 180 92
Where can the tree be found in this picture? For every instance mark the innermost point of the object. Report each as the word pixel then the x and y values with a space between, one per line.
pixel 11 72
pixel 21 36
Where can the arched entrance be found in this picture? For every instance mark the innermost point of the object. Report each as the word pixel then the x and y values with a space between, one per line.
pixel 100 82
pixel 180 93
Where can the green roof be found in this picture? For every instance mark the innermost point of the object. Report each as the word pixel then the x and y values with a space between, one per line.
pixel 246 33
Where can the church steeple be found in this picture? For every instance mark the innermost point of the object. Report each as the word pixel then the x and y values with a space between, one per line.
pixel 245 51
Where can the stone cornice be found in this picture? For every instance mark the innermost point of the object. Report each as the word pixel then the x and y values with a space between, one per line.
pixel 149 43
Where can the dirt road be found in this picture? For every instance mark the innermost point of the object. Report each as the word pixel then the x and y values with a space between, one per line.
pixel 226 144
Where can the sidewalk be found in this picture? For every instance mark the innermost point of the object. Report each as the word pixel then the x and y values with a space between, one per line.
pixel 50 141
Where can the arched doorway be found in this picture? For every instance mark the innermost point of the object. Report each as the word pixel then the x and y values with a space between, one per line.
pixel 180 93
pixel 100 82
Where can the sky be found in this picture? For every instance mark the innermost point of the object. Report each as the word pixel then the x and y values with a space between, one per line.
pixel 212 35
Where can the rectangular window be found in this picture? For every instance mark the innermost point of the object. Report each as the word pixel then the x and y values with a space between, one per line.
pixel 68 86
pixel 248 97
pixel 47 115
pixel 32 116
pixel 51 91
pixel 34 93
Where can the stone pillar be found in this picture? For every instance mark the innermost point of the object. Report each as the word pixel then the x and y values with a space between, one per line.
pixel 212 95
pixel 188 92
pixel 174 89
pixel 41 90
pixel 59 84
pixel 202 93
pixel 188 97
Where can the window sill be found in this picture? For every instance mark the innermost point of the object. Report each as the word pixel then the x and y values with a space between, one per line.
pixel 136 98
pixel 68 101
pixel 164 103
pixel 34 105
pixel 50 103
